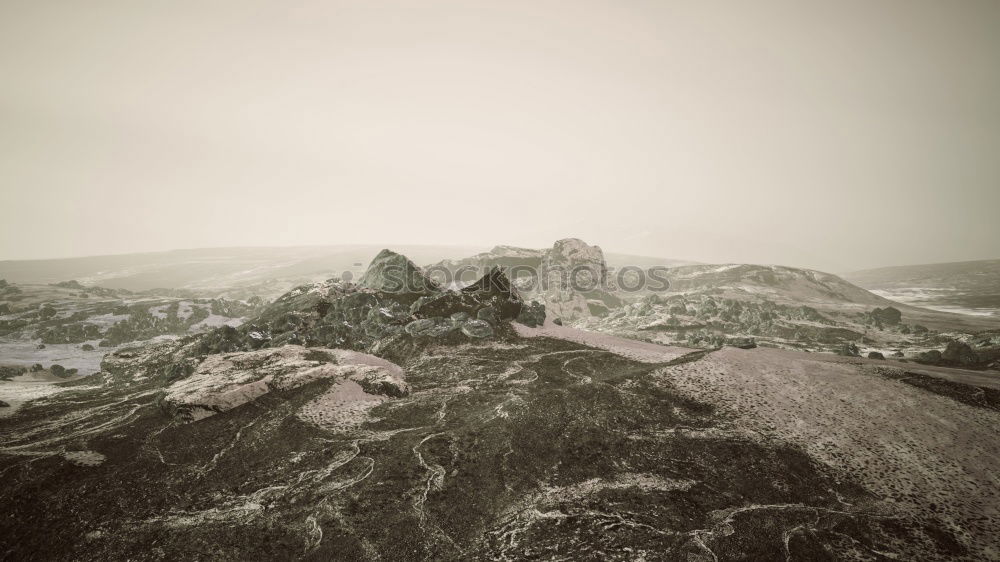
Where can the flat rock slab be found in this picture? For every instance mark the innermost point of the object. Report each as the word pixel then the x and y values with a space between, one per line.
pixel 226 381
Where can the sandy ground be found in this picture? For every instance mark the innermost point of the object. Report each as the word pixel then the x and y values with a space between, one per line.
pixel 24 388
pixel 923 454
pixel 69 355
pixel 633 349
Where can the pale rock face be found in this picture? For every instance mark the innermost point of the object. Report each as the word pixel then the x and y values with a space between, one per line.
pixel 569 266
pixel 576 252
pixel 226 381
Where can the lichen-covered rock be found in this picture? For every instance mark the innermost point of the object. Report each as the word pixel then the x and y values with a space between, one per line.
pixel 477 329
pixel 420 327
pixel 161 361
pixel 226 381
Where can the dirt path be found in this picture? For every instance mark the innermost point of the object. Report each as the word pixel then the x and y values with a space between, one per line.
pixel 923 454
pixel 633 349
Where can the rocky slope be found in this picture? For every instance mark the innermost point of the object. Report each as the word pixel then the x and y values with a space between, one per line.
pixel 349 422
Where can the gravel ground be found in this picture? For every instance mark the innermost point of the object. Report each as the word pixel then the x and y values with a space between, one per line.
pixel 924 454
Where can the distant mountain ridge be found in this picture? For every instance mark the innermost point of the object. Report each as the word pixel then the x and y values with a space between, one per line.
pixel 972 287
pixel 777 282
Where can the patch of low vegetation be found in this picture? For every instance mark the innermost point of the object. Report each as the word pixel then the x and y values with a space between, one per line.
pixel 978 396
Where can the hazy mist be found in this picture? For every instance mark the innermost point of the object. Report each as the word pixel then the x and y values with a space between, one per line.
pixel 833 135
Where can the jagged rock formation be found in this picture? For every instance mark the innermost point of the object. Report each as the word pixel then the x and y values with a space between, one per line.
pixel 497 293
pixel 362 317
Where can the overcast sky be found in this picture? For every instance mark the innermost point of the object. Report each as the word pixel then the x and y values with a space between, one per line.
pixel 836 135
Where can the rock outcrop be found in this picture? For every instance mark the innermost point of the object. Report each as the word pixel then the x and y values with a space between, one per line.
pixel 226 381
pixel 532 314
pixel 394 273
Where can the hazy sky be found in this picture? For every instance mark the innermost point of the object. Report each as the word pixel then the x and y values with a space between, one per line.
pixel 836 135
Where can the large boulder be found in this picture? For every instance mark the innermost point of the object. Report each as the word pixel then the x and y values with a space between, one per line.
pixel 889 316
pixel 394 273
pixel 959 353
